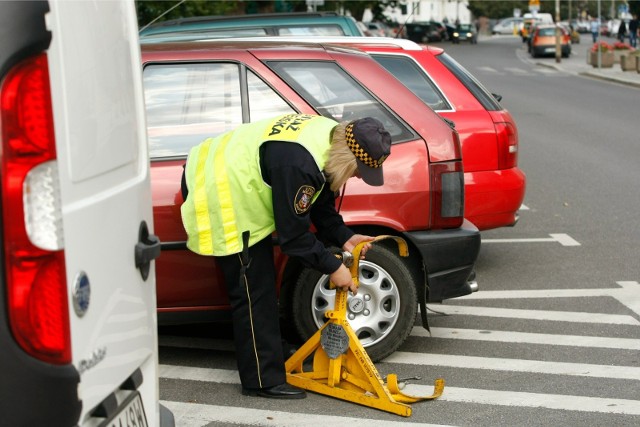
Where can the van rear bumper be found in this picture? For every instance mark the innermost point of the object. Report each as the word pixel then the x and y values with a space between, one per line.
pixel 34 393
pixel 449 258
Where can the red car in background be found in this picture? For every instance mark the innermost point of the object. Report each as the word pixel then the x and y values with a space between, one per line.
pixel 494 185
pixel 195 90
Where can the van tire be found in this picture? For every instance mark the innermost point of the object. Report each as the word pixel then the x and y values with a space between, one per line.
pixel 387 291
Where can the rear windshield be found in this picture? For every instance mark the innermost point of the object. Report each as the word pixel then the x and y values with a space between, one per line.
pixel 335 94
pixel 215 33
pixel 547 32
pixel 483 96
pixel 311 30
pixel 205 34
pixel 409 73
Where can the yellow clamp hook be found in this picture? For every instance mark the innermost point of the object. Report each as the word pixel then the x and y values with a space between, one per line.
pixel 341 366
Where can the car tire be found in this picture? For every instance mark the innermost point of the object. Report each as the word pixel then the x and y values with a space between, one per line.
pixel 387 315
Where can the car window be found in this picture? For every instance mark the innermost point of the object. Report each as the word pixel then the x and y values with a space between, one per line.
pixel 335 94
pixel 187 103
pixel 415 78
pixel 483 96
pixel 547 32
pixel 264 102
pixel 205 34
pixel 314 30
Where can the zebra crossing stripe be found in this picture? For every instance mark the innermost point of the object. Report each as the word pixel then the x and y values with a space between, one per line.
pixel 531 400
pixel 517 70
pixel 528 338
pixel 199 415
pixel 451 394
pixel 562 238
pixel 515 365
pixel 551 315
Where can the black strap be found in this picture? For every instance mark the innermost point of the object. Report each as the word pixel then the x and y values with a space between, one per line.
pixel 244 256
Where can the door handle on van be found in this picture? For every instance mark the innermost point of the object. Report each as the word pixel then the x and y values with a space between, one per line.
pixel 147 249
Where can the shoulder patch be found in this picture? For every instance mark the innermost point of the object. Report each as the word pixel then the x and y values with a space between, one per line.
pixel 302 202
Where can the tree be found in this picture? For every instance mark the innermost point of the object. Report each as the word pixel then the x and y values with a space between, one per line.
pixel 162 10
pixel 503 8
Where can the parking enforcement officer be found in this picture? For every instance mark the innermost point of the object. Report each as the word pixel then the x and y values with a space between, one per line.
pixel 280 175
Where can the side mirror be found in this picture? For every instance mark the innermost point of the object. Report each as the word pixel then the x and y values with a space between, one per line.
pixel 497 97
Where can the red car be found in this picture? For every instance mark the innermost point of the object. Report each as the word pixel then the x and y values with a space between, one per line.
pixel 199 89
pixel 494 185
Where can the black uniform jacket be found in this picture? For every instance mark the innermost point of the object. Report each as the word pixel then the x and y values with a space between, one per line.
pixel 294 178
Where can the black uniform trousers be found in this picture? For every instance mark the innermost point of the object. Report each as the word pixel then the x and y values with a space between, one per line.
pixel 256 326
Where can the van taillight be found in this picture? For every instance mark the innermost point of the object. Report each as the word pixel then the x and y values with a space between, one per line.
pixel 507 145
pixel 31 209
pixel 447 195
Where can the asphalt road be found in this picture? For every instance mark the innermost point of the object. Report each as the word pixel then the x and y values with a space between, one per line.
pixel 552 336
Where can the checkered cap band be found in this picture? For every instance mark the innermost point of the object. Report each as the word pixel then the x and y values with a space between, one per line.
pixel 358 151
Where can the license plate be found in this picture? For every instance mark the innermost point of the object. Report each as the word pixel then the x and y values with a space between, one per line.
pixel 130 414
pixel 550 49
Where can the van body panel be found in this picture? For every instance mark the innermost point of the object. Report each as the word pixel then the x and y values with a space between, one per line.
pixel 104 190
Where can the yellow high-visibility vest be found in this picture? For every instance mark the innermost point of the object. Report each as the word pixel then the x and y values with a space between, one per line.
pixel 227 194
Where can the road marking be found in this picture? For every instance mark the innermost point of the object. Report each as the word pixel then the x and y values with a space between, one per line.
pixel 490 70
pixel 628 294
pixel 563 239
pixel 515 365
pixel 542 293
pixel 545 70
pixel 551 315
pixel 524 207
pixel 451 394
pixel 518 71
pixel 198 415
pixel 528 338
pixel 530 400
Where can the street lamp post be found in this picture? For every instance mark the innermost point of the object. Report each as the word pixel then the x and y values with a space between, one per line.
pixel 558 31
pixel 599 34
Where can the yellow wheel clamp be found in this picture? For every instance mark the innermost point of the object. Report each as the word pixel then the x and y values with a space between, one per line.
pixel 341 366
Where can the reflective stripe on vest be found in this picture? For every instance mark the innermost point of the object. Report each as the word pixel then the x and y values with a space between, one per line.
pixel 220 205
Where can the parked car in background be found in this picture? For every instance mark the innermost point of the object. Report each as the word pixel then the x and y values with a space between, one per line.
pixel 442 30
pixel 423 32
pixel 543 41
pixel 494 184
pixel 379 29
pixel 78 333
pixel 264 24
pixel 582 26
pixel 509 26
pixel 574 35
pixel 465 33
pixel 202 89
pixel 364 29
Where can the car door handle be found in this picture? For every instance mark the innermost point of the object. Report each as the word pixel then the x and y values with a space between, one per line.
pixel 147 249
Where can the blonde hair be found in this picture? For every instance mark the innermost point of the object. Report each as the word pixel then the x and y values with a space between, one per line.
pixel 341 164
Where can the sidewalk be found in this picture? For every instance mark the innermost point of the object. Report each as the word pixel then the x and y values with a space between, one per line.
pixel 577 64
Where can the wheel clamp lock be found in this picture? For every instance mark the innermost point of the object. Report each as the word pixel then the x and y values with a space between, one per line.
pixel 341 366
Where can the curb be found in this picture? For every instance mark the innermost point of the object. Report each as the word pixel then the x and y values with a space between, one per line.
pixel 609 79
pixel 593 75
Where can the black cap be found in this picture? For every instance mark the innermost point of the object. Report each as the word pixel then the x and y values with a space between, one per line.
pixel 371 144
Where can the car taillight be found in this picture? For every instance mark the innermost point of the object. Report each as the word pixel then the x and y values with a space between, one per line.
pixel 447 195
pixel 507 145
pixel 32 216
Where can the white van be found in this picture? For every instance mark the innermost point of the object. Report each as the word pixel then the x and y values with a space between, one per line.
pixel 78 338
pixel 542 18
pixel 507 26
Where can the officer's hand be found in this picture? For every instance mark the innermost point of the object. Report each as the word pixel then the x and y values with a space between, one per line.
pixel 342 279
pixel 355 240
